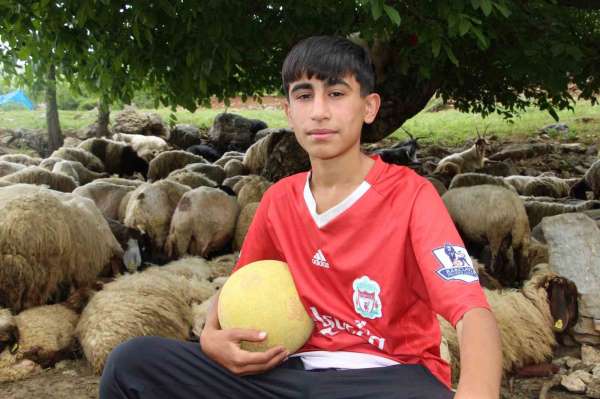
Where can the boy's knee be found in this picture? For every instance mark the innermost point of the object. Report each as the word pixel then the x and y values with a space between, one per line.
pixel 130 355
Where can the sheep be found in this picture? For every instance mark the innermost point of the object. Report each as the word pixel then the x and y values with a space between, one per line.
pixel 106 195
pixel 7 168
pixel 168 161
pixel 547 186
pixel 50 241
pixel 203 222
pixel 476 179
pixel 147 147
pixel 150 208
pixel 496 216
pixel 527 318
pixel 49 163
pixel 438 185
pixel 231 182
pixel 235 167
pixel 252 190
pixel 88 159
pixel 157 302
pixel 213 172
pixel 228 156
pixel 118 157
pixel 184 136
pixel 40 176
pixel 121 181
pixel 20 158
pixel 243 223
pixel 190 179
pixel 256 156
pixel 222 266
pixel 538 210
pixel 589 181
pixel 211 154
pixel 40 336
pixel 466 161
pixel 77 171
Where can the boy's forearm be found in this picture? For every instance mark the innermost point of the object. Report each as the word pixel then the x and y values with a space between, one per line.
pixel 480 355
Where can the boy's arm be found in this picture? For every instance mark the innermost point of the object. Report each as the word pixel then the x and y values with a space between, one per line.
pixel 480 355
pixel 223 346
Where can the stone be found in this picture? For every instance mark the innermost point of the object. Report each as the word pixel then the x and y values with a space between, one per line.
pixel 131 121
pixel 590 355
pixel 596 371
pixel 593 389
pixel 231 132
pixel 573 384
pixel 587 339
pixel 184 136
pixel 583 376
pixel 586 325
pixel 574 249
pixel 572 362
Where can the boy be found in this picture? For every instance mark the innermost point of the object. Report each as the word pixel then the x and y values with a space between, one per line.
pixel 374 256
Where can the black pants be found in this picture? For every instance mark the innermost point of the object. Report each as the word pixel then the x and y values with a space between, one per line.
pixel 153 367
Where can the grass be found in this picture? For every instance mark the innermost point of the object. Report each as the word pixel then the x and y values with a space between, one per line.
pixel 448 126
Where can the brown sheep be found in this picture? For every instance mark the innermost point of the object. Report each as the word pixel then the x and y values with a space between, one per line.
pixel 168 161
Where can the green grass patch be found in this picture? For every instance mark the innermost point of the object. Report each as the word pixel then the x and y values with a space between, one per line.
pixel 449 127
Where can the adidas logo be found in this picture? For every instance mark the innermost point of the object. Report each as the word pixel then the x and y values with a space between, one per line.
pixel 319 260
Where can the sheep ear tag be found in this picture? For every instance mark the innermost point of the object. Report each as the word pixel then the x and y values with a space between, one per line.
pixel 455 264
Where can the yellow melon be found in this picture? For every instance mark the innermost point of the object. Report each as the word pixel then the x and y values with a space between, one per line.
pixel 262 296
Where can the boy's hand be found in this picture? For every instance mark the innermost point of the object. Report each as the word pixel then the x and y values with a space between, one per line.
pixel 223 346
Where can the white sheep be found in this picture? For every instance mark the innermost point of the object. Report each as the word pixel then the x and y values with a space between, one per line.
pixel 6 168
pixel 150 208
pixel 477 179
pixel 203 222
pixel 168 161
pixel 40 176
pixel 251 190
pixel 107 196
pixel 50 241
pixel 77 171
pixel 496 216
pixel 157 302
pixel 466 161
pixel 87 159
pixel 23 159
pixel 146 147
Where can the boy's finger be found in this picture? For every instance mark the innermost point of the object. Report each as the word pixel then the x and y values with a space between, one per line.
pixel 260 368
pixel 261 358
pixel 239 334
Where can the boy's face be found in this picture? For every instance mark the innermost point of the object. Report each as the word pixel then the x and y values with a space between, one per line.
pixel 327 116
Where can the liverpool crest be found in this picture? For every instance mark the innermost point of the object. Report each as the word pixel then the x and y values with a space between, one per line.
pixel 366 297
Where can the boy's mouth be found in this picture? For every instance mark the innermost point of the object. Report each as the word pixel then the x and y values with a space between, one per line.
pixel 321 133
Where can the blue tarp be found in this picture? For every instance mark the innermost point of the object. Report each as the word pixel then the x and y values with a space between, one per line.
pixel 17 96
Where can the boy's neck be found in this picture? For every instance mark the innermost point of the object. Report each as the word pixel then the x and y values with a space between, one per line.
pixel 348 169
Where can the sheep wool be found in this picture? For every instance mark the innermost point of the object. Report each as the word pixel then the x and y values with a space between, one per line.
pixel 155 302
pixel 89 160
pixel 243 224
pixel 150 208
pixel 252 190
pixel 77 171
pixel 40 176
pixel 168 161
pixel 203 222
pixel 20 158
pixel 49 241
pixel 106 195
pixel 6 168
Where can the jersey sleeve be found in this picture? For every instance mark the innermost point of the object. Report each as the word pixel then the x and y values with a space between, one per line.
pixel 259 243
pixel 448 274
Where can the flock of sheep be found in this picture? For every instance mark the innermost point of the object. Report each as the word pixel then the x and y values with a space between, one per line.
pixel 130 236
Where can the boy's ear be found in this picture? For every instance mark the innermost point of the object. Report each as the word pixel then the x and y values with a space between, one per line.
pixel 286 109
pixel 372 104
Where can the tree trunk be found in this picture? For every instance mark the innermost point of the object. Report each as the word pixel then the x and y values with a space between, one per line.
pixel 402 95
pixel 55 137
pixel 103 118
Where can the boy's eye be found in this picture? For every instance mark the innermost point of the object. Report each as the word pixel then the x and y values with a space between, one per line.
pixel 303 96
pixel 336 94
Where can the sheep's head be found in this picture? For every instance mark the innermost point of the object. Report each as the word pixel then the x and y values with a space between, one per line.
pixel 562 299
pixel 481 144
pixel 9 333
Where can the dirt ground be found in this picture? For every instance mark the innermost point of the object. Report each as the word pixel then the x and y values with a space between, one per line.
pixel 73 379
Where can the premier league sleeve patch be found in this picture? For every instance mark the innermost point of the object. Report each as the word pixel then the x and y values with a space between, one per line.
pixel 456 264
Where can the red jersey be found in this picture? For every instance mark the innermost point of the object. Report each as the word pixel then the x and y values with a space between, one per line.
pixel 374 270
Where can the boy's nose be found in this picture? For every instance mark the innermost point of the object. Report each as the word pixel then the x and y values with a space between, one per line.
pixel 320 108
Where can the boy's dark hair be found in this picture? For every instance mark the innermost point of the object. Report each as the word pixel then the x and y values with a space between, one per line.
pixel 327 58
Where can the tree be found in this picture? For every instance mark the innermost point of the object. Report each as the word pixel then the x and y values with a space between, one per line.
pixel 485 55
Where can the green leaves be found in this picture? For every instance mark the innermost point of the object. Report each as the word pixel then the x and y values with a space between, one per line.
pixel 393 14
pixel 378 7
